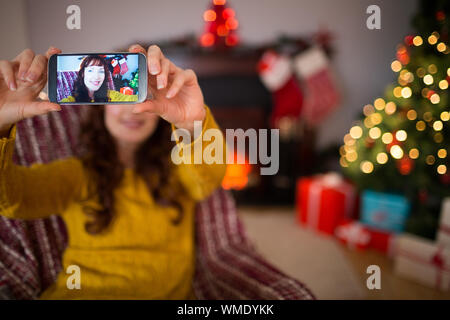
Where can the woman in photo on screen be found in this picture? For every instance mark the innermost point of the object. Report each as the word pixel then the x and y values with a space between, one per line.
pixel 129 210
pixel 92 81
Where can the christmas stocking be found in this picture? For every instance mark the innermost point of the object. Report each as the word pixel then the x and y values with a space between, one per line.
pixel 123 66
pixel 321 94
pixel 116 68
pixel 276 73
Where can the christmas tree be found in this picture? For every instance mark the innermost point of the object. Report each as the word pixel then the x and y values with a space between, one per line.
pixel 401 143
pixel 220 26
pixel 134 82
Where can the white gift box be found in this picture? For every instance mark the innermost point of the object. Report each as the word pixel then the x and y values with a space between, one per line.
pixel 422 260
pixel 443 236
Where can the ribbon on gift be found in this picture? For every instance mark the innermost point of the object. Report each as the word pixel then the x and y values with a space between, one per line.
pixel 437 260
pixel 328 180
pixel 354 234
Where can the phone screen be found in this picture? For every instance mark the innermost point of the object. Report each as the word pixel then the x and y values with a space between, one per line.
pixel 98 78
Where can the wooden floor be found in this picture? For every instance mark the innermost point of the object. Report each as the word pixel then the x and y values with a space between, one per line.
pixel 288 246
pixel 392 286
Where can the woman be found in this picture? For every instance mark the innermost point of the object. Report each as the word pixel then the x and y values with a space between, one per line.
pixel 128 209
pixel 92 83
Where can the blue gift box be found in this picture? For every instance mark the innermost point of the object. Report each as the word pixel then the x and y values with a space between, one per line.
pixel 384 211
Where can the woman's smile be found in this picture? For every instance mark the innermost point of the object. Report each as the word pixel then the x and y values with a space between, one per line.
pixel 132 124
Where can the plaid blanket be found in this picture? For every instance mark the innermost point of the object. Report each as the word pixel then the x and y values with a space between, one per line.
pixel 227 265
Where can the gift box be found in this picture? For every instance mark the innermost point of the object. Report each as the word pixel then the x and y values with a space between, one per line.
pixel 126 90
pixel 353 234
pixel 384 211
pixel 382 241
pixel 443 236
pixel 357 235
pixel 422 260
pixel 323 201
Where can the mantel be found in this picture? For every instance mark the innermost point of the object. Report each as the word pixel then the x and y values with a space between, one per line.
pixel 211 64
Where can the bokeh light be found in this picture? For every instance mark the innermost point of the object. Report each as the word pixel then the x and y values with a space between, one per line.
pixel 366 166
pixel 411 114
pixel 390 108
pixel 356 132
pixel 438 125
pixel 442 153
pixel 414 153
pixel 379 104
pixel 382 158
pixel 396 152
pixel 375 133
pixel 428 79
pixel 401 135
pixel 417 41
pixel 406 92
pixel 387 138
pixel 442 169
pixel 420 125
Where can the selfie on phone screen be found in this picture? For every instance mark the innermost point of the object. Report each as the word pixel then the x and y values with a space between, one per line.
pixel 96 78
pixel 238 152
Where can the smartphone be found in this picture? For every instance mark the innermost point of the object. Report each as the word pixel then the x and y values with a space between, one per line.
pixel 97 78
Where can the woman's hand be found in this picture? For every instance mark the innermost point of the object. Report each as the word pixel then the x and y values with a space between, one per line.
pixel 177 97
pixel 21 81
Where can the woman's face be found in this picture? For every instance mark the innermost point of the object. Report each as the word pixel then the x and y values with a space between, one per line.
pixel 128 127
pixel 94 77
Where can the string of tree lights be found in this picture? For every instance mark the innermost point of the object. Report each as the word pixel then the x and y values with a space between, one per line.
pixel 401 142
pixel 220 26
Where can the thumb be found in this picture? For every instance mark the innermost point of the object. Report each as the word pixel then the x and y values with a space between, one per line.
pixel 149 106
pixel 38 108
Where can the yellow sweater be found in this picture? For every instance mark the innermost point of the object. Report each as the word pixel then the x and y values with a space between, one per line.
pixel 141 254
pixel 113 95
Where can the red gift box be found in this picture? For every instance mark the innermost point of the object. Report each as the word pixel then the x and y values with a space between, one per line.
pixel 353 234
pixel 323 201
pixel 126 90
pixel 381 240
pixel 357 235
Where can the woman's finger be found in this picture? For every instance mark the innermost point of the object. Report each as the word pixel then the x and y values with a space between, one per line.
pixel 37 68
pixel 148 106
pixel 162 78
pixel 136 48
pixel 182 77
pixel 51 51
pixel 191 77
pixel 37 108
pixel 154 57
pixel 177 83
pixel 7 72
pixel 25 58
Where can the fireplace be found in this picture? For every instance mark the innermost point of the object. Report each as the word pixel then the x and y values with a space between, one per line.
pixel 237 98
